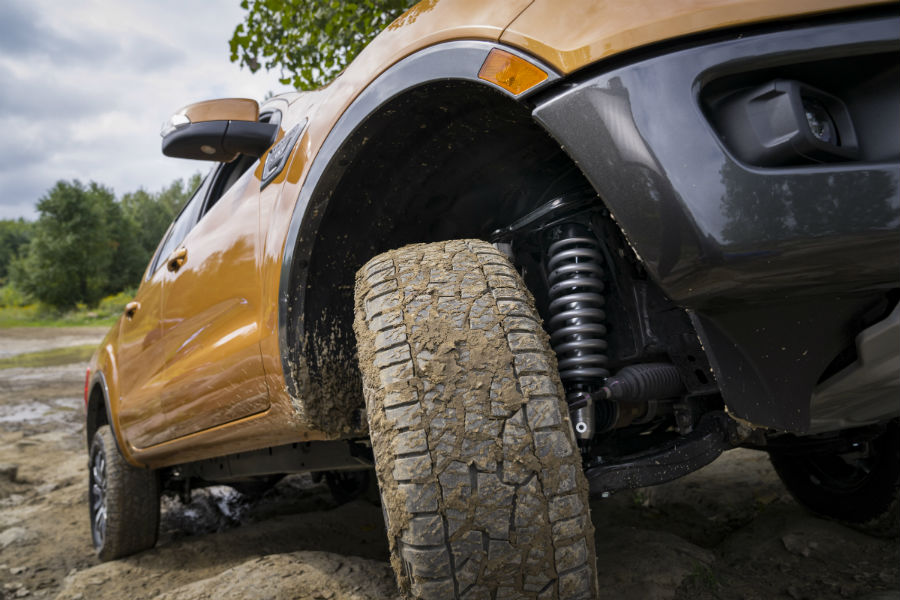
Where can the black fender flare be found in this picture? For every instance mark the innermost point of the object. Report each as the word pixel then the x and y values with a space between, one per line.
pixel 97 381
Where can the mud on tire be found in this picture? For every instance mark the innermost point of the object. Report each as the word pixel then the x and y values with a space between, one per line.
pixel 478 468
pixel 127 496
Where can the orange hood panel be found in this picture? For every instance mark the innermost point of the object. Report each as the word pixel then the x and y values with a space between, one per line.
pixel 588 30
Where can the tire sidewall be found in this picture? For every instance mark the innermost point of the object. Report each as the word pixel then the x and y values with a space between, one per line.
pixel 98 447
pixel 870 506
pixel 131 501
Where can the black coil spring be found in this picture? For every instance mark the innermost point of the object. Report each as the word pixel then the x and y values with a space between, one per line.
pixel 575 277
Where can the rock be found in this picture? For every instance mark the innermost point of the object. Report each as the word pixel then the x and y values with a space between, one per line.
pixel 273 577
pixel 9 472
pixel 295 575
pixel 796 544
pixel 88 583
pixel 795 593
pixel 619 549
pixel 15 535
pixel 43 490
pixel 12 500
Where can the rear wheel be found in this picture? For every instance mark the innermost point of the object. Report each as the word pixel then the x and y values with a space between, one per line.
pixel 479 472
pixel 860 489
pixel 124 500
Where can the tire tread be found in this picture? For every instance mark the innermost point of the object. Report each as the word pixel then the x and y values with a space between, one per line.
pixel 512 542
pixel 132 502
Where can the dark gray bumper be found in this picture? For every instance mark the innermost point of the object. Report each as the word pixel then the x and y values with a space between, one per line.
pixel 774 263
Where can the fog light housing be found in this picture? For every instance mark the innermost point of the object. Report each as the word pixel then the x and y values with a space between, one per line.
pixel 820 123
pixel 786 122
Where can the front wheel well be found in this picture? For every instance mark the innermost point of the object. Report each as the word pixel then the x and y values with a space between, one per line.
pixel 445 160
pixel 95 411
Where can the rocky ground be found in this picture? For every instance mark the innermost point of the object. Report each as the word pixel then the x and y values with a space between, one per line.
pixel 729 531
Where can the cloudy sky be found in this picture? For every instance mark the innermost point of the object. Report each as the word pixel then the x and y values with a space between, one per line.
pixel 86 84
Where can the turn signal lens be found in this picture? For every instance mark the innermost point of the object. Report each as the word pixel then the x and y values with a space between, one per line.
pixel 510 72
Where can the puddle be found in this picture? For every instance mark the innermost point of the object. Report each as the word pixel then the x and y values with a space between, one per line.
pixel 57 410
pixel 22 340
pixel 34 378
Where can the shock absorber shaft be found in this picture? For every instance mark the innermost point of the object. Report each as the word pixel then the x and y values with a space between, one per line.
pixel 576 323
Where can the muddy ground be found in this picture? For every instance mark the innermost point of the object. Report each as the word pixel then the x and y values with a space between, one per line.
pixel 729 531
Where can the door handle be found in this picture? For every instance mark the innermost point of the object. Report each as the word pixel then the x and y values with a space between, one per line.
pixel 131 308
pixel 176 259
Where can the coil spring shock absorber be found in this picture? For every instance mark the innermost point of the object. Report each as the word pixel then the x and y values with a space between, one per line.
pixel 576 323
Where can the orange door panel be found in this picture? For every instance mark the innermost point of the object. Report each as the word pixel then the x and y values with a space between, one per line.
pixel 211 315
pixel 140 365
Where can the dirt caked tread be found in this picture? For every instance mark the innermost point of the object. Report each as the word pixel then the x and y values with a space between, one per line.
pixel 478 467
pixel 132 502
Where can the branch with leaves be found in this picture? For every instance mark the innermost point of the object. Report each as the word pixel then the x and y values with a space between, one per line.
pixel 310 41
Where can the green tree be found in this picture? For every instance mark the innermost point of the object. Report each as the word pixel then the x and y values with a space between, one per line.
pixel 151 214
pixel 309 41
pixel 82 247
pixel 14 235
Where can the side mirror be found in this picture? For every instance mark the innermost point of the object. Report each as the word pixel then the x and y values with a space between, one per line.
pixel 217 130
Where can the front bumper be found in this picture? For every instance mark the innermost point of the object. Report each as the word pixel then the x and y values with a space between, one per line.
pixel 774 263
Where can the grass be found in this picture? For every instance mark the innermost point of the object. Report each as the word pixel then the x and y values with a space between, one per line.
pixel 49 358
pixel 37 315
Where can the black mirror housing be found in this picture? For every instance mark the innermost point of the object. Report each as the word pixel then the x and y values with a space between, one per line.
pixel 220 141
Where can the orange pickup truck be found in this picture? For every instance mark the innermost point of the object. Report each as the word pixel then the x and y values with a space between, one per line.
pixel 523 253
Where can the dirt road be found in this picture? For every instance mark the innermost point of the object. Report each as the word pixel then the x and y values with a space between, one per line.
pixel 729 531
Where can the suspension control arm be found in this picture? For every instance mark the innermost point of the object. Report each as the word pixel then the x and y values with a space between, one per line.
pixel 710 438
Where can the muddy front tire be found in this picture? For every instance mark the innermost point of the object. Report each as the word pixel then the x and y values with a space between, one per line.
pixel 479 472
pixel 124 500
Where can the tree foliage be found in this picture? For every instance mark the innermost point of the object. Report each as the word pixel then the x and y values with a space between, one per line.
pixel 14 236
pixel 77 241
pixel 86 245
pixel 309 41
pixel 152 213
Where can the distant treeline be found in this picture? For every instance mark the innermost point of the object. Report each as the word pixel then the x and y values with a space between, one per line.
pixel 85 244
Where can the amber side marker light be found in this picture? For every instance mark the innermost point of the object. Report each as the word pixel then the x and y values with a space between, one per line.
pixel 510 72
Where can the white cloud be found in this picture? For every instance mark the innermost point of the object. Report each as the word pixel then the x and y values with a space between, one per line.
pixel 85 86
